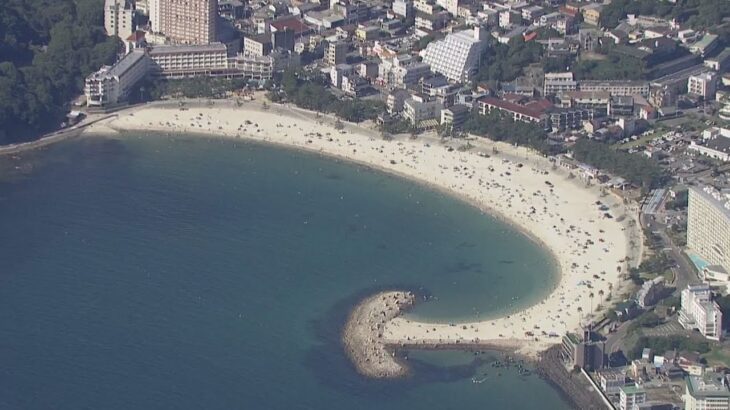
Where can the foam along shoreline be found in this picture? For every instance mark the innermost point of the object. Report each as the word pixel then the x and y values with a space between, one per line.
pixel 517 185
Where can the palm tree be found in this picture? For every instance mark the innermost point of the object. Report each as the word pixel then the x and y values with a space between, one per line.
pixel 580 310
pixel 590 295
pixel 600 295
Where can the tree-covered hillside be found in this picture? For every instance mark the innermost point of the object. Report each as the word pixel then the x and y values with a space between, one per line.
pixel 47 47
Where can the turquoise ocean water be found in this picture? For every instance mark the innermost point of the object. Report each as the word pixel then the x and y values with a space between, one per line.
pixel 150 273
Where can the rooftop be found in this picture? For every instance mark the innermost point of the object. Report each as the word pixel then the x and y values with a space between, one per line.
pixel 720 200
pixel 126 63
pixel 201 48
pixel 512 107
pixel 710 384
pixel 632 389
pixel 292 23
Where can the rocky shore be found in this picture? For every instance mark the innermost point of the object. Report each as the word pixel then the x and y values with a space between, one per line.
pixel 362 336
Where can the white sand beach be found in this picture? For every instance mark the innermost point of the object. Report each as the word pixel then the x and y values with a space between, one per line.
pixel 589 248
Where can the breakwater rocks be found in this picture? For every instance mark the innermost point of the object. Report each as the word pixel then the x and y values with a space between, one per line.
pixel 362 336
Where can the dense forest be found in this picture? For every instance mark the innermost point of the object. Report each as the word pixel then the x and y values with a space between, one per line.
pixel 47 47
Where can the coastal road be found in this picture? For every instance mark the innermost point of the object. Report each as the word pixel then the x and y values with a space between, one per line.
pixel 684 271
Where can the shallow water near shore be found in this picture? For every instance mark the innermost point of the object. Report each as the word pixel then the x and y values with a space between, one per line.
pixel 210 273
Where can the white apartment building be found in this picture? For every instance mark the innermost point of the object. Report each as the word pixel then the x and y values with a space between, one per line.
pixel 508 18
pixel 630 396
pixel 264 67
pixel 188 21
pixel 457 55
pixel 704 85
pixel 401 71
pixel 707 392
pixel 119 18
pixel 153 12
pixel 452 6
pixel 611 382
pixel 420 108
pixel 708 225
pixel 184 61
pixel 556 83
pixel 617 87
pixel 715 144
pixel 336 52
pixel 700 312
pixel 112 84
pixel 403 8
pixel 338 72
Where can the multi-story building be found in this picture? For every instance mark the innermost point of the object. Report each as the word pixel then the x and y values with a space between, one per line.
pixel 584 352
pixel 621 106
pixel 615 87
pixel 611 382
pixel 367 33
pixel 421 108
pixel 708 391
pixel 516 111
pixel 719 63
pixel 403 8
pixel 457 56
pixel 708 225
pixel 597 102
pixel 663 96
pixel 703 85
pixel 532 13
pixel 715 144
pixel 562 119
pixel 455 115
pixel 119 18
pixel 176 61
pixel 556 83
pixel 509 18
pixel 153 12
pixel 396 98
pixel 650 292
pixel 630 396
pixel 264 67
pixel 592 13
pixel 188 21
pixel 452 6
pixel 257 45
pixel 336 52
pixel 402 71
pixel 112 84
pixel 700 312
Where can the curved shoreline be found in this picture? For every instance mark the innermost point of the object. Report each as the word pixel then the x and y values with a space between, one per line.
pixel 493 183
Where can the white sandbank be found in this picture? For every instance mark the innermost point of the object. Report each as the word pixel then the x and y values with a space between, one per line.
pixel 496 184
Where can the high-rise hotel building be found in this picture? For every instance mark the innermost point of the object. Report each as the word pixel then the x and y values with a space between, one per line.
pixel 708 226
pixel 185 21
